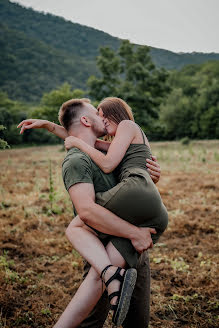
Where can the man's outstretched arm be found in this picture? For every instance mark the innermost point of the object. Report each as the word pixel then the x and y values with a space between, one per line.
pixel 101 219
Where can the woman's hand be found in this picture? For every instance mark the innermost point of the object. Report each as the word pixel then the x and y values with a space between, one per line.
pixel 31 123
pixel 35 124
pixel 153 169
pixel 72 142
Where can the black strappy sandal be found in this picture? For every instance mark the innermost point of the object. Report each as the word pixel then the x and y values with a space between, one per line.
pixel 124 293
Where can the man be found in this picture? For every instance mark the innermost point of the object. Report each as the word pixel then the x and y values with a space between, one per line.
pixel 82 179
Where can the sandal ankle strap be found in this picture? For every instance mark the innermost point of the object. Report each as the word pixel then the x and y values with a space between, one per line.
pixel 117 293
pixel 116 276
pixel 104 270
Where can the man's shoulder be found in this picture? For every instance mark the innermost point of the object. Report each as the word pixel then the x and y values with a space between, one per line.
pixel 76 168
pixel 76 157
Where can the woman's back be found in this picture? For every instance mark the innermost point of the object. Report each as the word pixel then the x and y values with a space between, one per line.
pixel 135 157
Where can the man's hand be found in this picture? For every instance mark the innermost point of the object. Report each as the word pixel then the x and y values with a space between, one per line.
pixel 142 241
pixel 154 169
pixel 35 124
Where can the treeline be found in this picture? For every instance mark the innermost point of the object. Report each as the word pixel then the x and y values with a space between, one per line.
pixel 11 113
pixel 167 105
pixel 192 107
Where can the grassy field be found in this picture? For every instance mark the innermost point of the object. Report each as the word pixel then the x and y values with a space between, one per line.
pixel 39 271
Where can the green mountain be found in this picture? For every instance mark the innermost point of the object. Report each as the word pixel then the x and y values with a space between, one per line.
pixel 29 67
pixel 39 52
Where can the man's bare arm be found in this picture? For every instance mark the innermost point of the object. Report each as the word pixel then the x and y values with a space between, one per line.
pixel 98 217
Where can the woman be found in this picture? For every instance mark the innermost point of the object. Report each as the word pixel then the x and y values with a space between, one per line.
pixel 135 182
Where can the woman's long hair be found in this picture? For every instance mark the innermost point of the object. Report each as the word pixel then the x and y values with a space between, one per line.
pixel 116 109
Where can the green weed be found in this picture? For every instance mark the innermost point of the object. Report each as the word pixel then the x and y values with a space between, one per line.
pixel 179 265
pixel 75 264
pixel 46 312
pixel 216 156
pixel 4 262
pixel 157 260
pixel 27 318
pixel 213 305
pixel 8 266
pixel 9 161
pixel 76 254
pixel 191 151
pixel 186 299
pixel 51 187
pixel 53 197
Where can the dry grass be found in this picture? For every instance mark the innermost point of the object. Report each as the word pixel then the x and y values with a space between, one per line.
pixel 39 272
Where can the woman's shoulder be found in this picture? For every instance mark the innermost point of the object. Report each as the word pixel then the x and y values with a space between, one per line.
pixel 135 130
pixel 128 124
pixel 131 127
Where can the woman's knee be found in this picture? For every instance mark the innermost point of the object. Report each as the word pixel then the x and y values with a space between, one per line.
pixel 75 223
pixel 69 231
pixel 115 256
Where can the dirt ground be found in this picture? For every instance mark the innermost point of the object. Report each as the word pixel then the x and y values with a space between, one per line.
pixel 39 271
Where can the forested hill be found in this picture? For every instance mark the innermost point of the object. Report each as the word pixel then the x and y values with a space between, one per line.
pixel 39 52
pixel 55 31
pixel 30 67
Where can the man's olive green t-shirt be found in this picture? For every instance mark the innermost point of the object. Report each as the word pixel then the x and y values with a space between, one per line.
pixel 78 167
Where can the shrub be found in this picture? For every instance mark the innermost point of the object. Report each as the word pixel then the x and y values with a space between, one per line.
pixel 185 141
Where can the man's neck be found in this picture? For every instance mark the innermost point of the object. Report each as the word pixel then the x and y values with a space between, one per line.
pixel 86 136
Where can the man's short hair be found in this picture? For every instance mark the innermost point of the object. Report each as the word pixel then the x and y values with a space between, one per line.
pixel 70 111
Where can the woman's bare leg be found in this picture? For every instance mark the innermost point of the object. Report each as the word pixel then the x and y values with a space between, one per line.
pixel 83 301
pixel 86 242
pixel 89 293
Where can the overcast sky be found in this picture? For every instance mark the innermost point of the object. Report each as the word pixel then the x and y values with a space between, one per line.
pixel 177 25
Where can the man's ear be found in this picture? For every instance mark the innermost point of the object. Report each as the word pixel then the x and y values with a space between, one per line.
pixel 85 121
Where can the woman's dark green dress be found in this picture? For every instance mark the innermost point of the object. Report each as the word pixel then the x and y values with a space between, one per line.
pixel 135 199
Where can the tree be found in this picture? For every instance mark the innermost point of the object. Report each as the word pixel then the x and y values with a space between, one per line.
pixel 206 123
pixel 177 115
pixel 3 143
pixel 109 65
pixel 131 75
pixel 11 112
pixel 52 101
pixel 192 108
